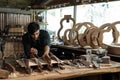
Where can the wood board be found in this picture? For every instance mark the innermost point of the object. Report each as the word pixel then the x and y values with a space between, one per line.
pixel 31 63
pixel 69 72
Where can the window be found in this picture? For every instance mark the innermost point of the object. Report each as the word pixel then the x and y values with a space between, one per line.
pixel 97 13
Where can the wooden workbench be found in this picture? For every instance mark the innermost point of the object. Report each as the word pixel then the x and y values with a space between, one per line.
pixel 68 73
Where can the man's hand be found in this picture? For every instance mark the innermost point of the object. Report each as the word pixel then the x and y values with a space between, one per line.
pixel 33 50
pixel 47 58
pixel 46 52
pixel 46 55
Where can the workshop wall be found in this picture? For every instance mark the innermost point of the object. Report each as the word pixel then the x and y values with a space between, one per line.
pixel 14 19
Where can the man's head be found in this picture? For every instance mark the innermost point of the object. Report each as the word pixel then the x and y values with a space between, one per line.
pixel 33 30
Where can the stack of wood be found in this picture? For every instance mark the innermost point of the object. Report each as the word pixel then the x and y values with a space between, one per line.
pixel 87 34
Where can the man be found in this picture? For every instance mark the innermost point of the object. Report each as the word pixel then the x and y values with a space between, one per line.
pixel 36 44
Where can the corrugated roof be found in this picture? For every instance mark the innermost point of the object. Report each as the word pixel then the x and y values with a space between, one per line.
pixel 45 4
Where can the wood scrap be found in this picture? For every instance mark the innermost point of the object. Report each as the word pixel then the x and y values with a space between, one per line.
pixel 4 74
pixel 86 63
pixel 8 66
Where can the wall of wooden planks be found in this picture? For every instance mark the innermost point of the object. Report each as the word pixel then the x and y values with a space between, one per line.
pixel 14 19
pixel 13 47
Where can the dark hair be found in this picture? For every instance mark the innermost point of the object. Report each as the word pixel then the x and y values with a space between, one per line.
pixel 33 27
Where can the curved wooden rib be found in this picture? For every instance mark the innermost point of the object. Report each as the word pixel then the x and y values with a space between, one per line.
pixel 92 37
pixel 100 36
pixel 65 37
pixel 114 49
pixel 70 41
pixel 87 24
pixel 82 39
pixel 89 33
pixel 115 33
pixel 72 37
pixel 95 34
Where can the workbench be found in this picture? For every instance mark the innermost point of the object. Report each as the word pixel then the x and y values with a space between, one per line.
pixel 65 51
pixel 111 71
pixel 72 72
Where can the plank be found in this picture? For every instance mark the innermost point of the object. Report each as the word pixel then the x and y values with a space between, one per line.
pixel 31 63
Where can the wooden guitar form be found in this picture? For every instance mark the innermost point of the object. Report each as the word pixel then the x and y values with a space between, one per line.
pixel 115 33
pixel 114 48
pixel 67 18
